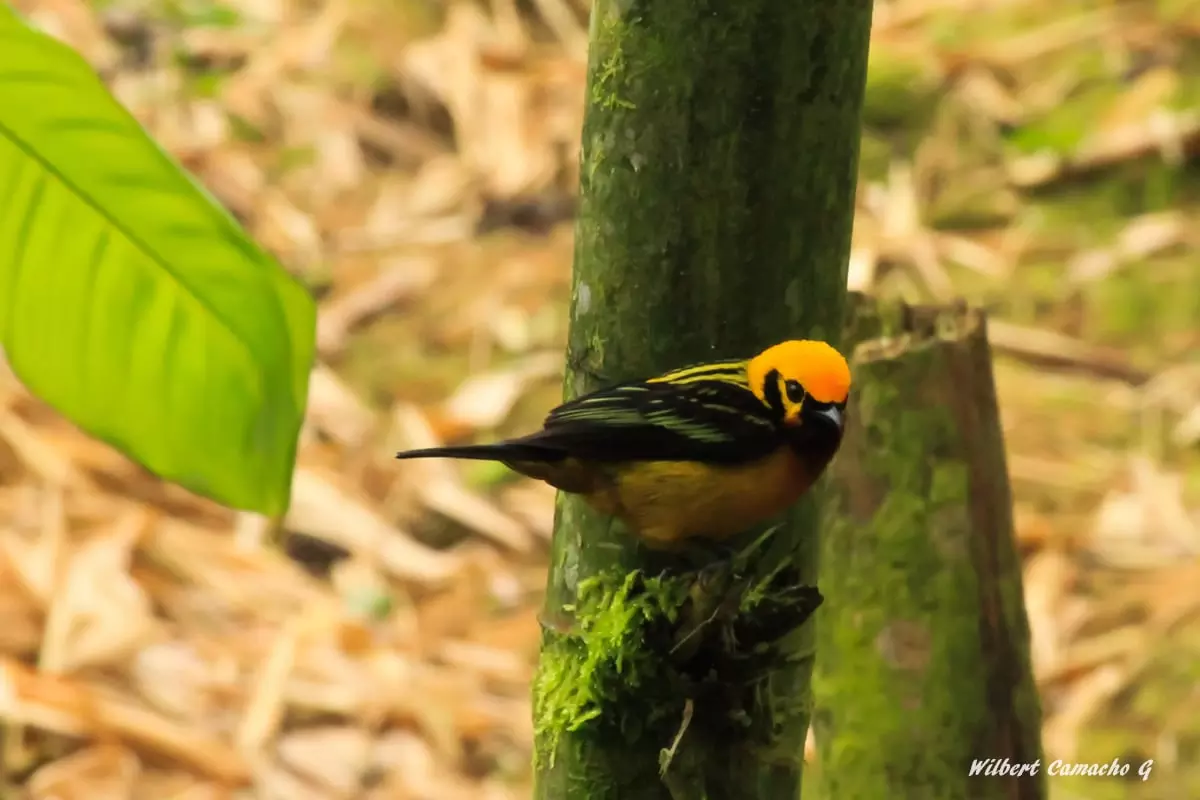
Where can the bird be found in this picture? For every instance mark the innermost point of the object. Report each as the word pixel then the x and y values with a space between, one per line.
pixel 702 452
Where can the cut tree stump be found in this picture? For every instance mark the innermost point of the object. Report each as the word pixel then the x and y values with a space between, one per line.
pixel 923 644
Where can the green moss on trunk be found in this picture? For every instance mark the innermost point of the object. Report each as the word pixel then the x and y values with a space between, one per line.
pixel 719 158
pixel 923 662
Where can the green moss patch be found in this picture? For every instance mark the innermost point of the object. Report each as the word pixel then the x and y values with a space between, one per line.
pixel 679 662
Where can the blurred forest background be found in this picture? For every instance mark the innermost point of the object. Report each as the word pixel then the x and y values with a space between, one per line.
pixel 414 162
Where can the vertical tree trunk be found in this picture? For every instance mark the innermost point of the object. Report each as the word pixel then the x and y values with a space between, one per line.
pixel 719 162
pixel 923 645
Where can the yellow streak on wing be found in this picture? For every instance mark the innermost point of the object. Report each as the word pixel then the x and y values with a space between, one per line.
pixel 696 431
pixel 733 372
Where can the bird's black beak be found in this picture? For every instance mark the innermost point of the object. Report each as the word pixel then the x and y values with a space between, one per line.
pixel 828 417
pixel 831 415
pixel 820 429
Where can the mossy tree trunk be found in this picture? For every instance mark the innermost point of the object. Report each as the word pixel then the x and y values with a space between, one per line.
pixel 720 148
pixel 922 644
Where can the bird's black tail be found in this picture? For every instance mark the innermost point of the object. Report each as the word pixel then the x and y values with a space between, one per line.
pixel 500 451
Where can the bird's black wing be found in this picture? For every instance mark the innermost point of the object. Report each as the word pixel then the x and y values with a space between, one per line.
pixel 704 420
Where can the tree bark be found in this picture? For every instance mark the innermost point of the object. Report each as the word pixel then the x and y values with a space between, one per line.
pixel 923 644
pixel 720 148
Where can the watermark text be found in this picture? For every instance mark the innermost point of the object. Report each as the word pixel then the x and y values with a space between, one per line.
pixel 1003 767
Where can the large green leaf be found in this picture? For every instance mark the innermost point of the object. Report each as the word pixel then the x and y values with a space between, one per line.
pixel 130 300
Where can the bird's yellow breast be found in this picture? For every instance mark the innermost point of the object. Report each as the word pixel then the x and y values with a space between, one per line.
pixel 667 501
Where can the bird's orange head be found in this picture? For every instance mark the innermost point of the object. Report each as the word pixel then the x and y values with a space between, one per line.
pixel 802 380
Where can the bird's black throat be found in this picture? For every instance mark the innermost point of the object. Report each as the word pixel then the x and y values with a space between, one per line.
pixel 815 444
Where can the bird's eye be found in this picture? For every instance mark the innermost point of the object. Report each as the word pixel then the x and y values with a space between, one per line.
pixel 795 392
